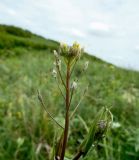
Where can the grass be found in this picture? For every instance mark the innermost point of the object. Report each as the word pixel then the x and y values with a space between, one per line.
pixel 26 132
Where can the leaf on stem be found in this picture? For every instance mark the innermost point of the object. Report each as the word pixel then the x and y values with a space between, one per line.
pixel 97 131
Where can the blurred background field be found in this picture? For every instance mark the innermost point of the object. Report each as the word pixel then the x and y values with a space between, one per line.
pixel 26 132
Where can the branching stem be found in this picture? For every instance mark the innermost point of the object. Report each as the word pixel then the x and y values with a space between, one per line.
pixel 44 107
pixel 72 114
pixel 58 69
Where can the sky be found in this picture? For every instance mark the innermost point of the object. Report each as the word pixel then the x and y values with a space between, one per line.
pixel 108 29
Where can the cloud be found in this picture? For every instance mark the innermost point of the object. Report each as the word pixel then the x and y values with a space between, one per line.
pixel 11 12
pixel 101 29
pixel 111 5
pixel 78 33
pixel 73 32
pixel 137 47
pixel 99 26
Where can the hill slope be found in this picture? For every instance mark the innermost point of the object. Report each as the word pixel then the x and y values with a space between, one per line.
pixel 13 38
pixel 25 66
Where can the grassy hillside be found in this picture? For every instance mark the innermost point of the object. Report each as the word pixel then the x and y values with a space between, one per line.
pixel 13 39
pixel 26 132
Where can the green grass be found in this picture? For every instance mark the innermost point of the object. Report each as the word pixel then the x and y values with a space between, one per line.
pixel 26 61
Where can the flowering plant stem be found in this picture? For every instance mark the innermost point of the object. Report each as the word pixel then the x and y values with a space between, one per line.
pixel 67 102
pixel 102 120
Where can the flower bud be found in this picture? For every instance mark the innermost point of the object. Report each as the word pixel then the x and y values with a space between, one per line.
pixel 74 85
pixel 59 62
pixel 64 49
pixel 54 73
pixel 70 52
pixel 75 50
pixel 56 54
pixel 54 63
pixel 100 129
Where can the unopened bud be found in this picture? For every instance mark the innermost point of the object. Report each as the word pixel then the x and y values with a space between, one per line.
pixel 54 73
pixel 102 124
pixel 59 62
pixel 74 85
pixel 71 52
pixel 64 49
pixel 75 50
pixel 55 54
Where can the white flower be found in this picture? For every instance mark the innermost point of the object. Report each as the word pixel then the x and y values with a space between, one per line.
pixel 86 65
pixel 74 85
pixel 54 73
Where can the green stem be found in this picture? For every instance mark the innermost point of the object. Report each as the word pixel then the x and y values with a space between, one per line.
pixel 67 113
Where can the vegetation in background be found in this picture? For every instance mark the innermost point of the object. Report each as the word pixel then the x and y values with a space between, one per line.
pixel 13 39
pixel 26 131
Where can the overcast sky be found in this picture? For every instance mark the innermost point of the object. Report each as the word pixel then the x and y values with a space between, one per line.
pixel 108 29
